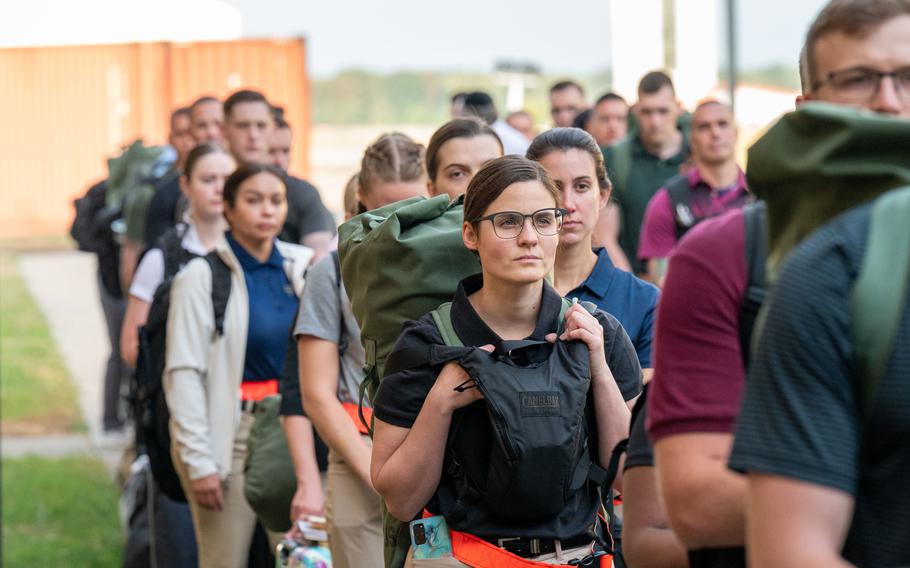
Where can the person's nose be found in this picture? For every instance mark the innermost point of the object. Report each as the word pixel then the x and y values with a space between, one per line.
pixel 528 235
pixel 888 98
pixel 568 200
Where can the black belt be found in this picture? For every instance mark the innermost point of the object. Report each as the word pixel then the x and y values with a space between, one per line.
pixel 532 547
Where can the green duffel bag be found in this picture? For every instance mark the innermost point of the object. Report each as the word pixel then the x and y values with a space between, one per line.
pixel 398 263
pixel 270 482
pixel 823 160
pixel 820 161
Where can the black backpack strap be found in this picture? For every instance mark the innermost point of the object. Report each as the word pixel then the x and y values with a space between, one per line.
pixel 680 194
pixel 221 288
pixel 171 245
pixel 756 251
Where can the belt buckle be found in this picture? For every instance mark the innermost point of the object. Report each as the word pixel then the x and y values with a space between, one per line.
pixel 501 542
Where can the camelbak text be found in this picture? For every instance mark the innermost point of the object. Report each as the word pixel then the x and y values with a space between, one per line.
pixel 539 403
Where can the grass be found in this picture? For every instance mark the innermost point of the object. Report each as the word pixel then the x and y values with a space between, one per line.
pixel 60 512
pixel 36 394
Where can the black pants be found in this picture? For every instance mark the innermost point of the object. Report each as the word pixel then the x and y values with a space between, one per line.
pixel 116 373
pixel 734 557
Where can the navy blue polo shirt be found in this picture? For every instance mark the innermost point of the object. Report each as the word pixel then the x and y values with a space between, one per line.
pixel 624 296
pixel 273 307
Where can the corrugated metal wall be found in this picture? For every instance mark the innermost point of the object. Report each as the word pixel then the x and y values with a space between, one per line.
pixel 65 110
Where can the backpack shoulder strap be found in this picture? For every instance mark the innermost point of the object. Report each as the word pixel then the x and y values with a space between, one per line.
pixel 880 291
pixel 622 163
pixel 336 259
pixel 679 191
pixel 171 245
pixel 756 254
pixel 221 288
pixel 680 194
pixel 442 316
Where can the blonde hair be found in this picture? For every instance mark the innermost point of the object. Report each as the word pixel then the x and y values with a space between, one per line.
pixel 393 157
pixel 352 206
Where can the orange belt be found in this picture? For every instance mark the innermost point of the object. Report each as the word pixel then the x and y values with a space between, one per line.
pixel 479 553
pixel 258 390
pixel 353 412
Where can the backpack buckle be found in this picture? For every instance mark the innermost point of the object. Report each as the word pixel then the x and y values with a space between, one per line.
pixel 501 542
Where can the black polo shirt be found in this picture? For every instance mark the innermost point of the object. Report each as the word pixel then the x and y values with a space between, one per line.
pixel 639 453
pixel 306 213
pixel 401 395
pixel 801 415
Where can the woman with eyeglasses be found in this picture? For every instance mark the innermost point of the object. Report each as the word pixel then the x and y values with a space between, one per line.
pixel 434 429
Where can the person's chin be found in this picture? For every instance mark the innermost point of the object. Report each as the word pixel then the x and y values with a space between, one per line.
pixel 571 235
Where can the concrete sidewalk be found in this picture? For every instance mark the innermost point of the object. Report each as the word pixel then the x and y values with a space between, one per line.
pixel 65 287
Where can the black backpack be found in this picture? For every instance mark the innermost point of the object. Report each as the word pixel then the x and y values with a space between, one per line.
pixel 149 403
pixel 540 420
pixel 93 231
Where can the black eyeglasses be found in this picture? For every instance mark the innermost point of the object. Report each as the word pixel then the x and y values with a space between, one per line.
pixel 860 84
pixel 510 224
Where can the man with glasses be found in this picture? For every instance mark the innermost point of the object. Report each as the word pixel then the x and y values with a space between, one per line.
pixel 826 480
pixel 798 512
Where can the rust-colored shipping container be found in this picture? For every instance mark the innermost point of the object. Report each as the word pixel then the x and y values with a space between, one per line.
pixel 65 110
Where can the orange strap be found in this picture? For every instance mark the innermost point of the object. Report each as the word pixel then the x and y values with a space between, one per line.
pixel 353 412
pixel 478 553
pixel 258 390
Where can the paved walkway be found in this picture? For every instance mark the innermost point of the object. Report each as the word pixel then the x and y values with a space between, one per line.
pixel 65 288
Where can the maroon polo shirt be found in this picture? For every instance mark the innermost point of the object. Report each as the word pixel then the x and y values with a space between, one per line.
pixel 698 366
pixel 658 230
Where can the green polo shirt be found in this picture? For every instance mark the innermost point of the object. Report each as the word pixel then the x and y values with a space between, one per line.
pixel 647 174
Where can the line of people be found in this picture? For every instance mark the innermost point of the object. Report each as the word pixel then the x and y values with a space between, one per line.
pixel 593 292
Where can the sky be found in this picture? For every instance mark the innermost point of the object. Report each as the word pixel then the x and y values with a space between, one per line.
pixel 570 36
pixel 560 36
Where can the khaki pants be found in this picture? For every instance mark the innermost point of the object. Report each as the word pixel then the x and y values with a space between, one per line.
pixel 354 518
pixel 223 537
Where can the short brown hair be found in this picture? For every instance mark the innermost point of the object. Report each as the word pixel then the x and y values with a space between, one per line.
pixel 244 96
pixel 392 157
pixel 853 18
pixel 495 177
pixel 653 82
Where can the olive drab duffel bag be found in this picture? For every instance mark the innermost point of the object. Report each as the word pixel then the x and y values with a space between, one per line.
pixel 398 263
pixel 820 161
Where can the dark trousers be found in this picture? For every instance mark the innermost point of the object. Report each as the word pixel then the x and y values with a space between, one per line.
pixel 116 373
pixel 173 538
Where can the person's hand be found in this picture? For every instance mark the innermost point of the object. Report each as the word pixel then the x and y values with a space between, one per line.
pixel 208 492
pixel 308 500
pixel 454 376
pixel 581 325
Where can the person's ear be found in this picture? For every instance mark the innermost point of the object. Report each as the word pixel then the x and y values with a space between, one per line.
pixel 361 200
pixel 469 236
pixel 431 188
pixel 605 197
